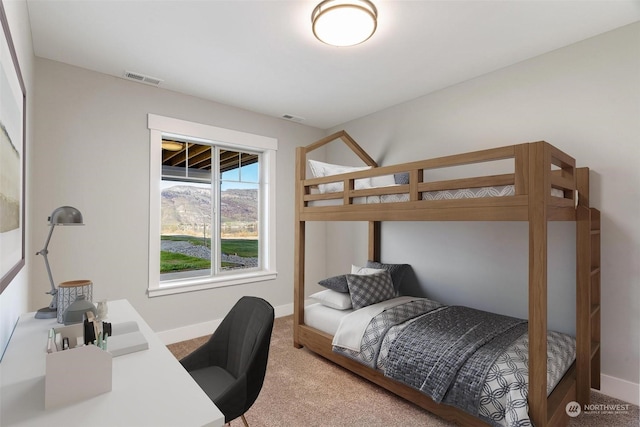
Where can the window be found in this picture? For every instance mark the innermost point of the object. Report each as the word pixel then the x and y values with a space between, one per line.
pixel 212 207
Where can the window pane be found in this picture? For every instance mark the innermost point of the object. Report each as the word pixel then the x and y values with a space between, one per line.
pixel 186 161
pixel 239 208
pixel 186 197
pixel 249 171
pixel 229 165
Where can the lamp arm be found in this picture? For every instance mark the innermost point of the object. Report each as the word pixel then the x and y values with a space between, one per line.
pixel 46 244
pixel 45 252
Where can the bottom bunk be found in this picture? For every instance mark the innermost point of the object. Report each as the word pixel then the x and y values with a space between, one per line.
pixel 392 342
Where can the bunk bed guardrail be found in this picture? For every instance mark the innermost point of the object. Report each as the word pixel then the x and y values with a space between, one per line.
pixel 558 170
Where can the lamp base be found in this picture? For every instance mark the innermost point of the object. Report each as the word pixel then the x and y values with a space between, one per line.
pixel 47 313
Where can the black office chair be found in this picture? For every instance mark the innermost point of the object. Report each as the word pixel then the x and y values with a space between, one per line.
pixel 230 367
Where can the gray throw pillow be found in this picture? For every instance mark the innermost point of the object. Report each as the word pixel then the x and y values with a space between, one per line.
pixel 401 178
pixel 397 271
pixel 369 289
pixel 336 283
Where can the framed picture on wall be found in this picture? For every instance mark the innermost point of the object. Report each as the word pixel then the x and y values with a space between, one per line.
pixel 12 158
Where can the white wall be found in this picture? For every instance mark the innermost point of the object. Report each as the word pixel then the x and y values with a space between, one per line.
pixel 584 99
pixel 14 299
pixel 91 147
pixel 88 148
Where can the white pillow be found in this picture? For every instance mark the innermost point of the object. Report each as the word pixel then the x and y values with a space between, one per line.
pixel 321 169
pixel 383 181
pixel 365 270
pixel 333 299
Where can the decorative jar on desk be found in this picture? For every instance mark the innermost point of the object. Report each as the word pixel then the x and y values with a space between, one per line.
pixel 69 291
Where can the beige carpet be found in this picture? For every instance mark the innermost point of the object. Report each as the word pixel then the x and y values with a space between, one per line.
pixel 302 389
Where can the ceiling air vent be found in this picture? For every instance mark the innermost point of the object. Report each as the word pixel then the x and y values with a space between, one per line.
pixel 142 78
pixel 293 118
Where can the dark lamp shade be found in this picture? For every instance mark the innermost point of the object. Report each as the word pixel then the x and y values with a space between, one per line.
pixel 66 215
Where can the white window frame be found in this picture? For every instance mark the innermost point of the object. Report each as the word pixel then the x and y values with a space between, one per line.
pixel 267 146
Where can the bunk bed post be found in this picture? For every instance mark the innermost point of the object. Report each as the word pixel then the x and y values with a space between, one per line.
pixel 416 176
pixel 539 187
pixel 587 292
pixel 299 249
pixel 374 241
pixel 583 298
pixel 521 158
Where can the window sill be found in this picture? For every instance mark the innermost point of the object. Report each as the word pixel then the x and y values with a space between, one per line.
pixel 191 285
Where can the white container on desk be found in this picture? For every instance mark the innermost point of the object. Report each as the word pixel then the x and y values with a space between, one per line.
pixel 76 374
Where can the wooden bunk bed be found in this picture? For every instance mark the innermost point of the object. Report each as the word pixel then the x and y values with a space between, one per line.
pixel 538 167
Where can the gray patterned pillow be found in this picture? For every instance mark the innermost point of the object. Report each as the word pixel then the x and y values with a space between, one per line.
pixel 370 288
pixel 401 178
pixel 336 283
pixel 397 271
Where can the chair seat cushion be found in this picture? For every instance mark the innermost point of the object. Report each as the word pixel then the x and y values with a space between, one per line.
pixel 213 380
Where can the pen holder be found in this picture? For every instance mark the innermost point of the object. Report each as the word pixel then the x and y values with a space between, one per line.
pixel 78 373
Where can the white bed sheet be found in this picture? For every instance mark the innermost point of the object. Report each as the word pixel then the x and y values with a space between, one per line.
pixel 352 327
pixel 324 318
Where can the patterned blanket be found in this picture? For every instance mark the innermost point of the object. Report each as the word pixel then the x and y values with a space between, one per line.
pixel 461 345
pixel 503 397
pixel 378 329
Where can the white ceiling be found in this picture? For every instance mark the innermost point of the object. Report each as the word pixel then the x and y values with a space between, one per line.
pixel 262 56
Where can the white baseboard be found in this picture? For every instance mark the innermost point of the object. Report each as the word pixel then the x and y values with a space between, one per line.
pixel 189 332
pixel 620 389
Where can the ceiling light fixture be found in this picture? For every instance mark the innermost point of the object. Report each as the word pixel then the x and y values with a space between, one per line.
pixel 344 23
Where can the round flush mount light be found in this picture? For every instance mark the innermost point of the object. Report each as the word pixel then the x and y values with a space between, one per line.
pixel 344 23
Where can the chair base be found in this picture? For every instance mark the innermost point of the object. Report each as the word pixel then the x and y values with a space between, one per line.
pixel 244 420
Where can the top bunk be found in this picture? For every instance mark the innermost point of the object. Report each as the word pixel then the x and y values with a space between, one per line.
pixel 540 177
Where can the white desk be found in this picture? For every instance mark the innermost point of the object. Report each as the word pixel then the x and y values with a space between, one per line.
pixel 149 387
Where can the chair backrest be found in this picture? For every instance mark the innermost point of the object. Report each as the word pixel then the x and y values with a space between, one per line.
pixel 240 346
pixel 251 324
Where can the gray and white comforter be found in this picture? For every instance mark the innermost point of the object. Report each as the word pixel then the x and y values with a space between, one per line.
pixel 486 369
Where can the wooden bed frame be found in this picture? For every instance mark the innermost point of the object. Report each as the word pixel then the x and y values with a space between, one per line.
pixel 538 167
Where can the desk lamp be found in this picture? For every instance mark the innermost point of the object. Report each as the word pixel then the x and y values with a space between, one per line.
pixel 64 215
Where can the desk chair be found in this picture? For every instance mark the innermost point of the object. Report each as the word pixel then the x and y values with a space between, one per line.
pixel 230 367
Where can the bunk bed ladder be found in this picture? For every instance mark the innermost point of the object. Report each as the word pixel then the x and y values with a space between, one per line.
pixel 587 293
pixel 594 277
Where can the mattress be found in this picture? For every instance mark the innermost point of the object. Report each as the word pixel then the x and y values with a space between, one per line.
pixel 456 194
pixel 323 318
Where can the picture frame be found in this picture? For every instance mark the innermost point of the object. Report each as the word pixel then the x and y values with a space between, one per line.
pixel 13 102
